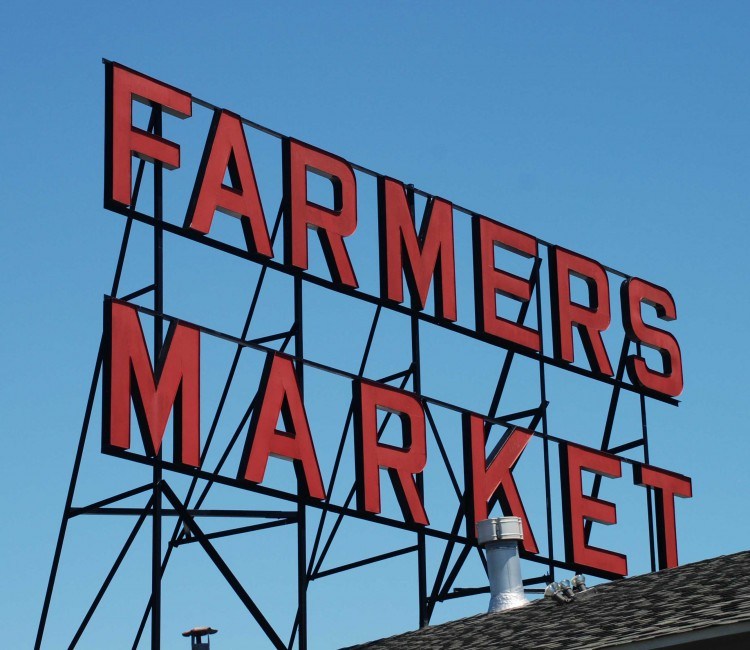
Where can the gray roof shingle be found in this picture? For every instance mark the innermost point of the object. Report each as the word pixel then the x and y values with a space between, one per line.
pixel 684 599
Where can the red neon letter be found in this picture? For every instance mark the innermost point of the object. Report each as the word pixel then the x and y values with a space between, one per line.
pixel 128 373
pixel 123 140
pixel 281 396
pixel 226 149
pixel 667 485
pixel 633 293
pixel 300 213
pixel 577 508
pixel 590 320
pixel 427 255
pixel 401 462
pixel 489 281
pixel 493 481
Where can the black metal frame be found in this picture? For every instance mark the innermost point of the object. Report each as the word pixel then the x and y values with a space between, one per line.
pixel 310 564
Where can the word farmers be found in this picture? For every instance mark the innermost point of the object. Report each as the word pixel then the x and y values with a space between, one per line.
pixel 424 257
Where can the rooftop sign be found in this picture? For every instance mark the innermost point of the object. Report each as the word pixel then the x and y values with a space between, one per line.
pixel 422 256
pixel 417 252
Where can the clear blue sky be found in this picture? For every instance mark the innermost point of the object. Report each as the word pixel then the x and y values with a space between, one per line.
pixel 617 129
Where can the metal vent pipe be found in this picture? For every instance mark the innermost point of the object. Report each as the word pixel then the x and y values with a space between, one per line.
pixel 500 537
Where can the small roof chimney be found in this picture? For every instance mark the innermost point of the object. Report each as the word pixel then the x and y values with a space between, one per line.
pixel 500 537
pixel 196 637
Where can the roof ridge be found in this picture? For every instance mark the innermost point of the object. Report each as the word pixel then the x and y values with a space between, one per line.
pixel 691 596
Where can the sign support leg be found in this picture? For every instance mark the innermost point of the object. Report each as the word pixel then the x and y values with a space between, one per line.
pixel 158 338
pixel 299 350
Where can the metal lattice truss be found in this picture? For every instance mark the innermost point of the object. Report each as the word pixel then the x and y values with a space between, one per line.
pixel 188 509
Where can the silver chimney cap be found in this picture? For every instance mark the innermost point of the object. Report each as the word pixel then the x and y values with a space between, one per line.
pixel 500 539
pixel 500 529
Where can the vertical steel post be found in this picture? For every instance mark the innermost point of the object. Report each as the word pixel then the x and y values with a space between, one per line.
pixel 299 353
pixel 158 338
pixel 649 491
pixel 543 401
pixel 416 374
pixel 421 540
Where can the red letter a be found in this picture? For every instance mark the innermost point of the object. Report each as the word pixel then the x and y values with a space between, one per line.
pixel 226 150
pixel 281 396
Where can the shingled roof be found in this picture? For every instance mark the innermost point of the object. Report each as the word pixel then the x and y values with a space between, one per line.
pixel 695 603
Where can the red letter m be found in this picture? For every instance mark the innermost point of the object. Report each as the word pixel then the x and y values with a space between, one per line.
pixel 128 374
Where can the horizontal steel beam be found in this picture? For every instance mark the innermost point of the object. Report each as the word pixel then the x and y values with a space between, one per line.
pixel 359 563
pixel 235 531
pixel 259 514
